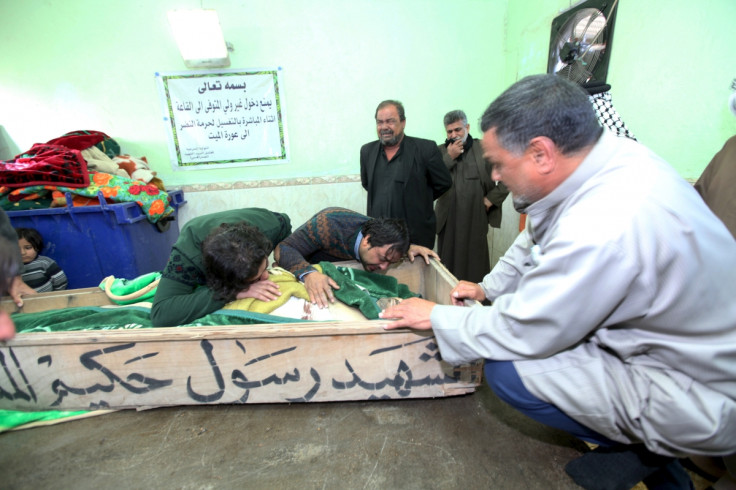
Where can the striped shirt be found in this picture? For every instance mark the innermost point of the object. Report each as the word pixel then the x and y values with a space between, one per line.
pixel 330 235
pixel 44 275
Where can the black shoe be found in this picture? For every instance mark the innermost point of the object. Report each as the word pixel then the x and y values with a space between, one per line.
pixel 622 467
pixel 671 477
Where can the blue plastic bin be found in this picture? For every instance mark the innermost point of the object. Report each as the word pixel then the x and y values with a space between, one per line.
pixel 92 242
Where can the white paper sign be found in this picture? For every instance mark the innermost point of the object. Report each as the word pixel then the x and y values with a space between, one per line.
pixel 224 118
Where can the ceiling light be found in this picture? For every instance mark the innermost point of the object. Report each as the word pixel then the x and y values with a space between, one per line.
pixel 199 37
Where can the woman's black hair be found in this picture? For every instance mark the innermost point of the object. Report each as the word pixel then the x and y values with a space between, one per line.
pixel 232 256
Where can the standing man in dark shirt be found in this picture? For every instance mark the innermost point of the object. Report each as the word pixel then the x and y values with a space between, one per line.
pixel 470 206
pixel 403 175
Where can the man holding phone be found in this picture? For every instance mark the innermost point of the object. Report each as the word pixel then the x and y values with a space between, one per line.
pixel 472 204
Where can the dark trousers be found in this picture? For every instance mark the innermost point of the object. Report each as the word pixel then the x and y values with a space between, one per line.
pixel 503 379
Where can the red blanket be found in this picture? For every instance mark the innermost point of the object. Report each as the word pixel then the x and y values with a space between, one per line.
pixel 45 164
pixel 79 140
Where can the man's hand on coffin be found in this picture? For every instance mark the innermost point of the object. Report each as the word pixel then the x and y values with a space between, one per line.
pixel 412 313
pixel 425 252
pixel 263 290
pixel 319 287
pixel 19 288
pixel 466 290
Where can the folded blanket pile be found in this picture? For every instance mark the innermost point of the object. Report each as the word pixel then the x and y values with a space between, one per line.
pixel 81 164
pixel 115 189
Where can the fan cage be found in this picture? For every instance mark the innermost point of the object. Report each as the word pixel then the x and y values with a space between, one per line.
pixel 580 42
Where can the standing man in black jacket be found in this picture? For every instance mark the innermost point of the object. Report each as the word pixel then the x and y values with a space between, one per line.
pixel 403 175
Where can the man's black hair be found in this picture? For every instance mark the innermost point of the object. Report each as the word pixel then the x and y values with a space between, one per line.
pixel 399 108
pixel 543 105
pixel 387 231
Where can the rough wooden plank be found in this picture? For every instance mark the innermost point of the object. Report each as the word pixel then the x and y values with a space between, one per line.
pixel 275 363
pixel 208 371
pixel 56 300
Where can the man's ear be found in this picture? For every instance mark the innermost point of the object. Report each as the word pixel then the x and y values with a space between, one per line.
pixel 364 242
pixel 543 151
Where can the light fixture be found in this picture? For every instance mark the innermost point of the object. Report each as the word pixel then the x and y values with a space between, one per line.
pixel 199 37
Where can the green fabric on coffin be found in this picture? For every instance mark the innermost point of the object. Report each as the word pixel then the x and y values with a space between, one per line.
pixel 128 317
pixel 362 289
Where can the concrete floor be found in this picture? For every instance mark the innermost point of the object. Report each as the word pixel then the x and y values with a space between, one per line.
pixel 471 441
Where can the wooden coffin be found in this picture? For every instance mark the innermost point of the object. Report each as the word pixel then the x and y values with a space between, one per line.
pixel 274 363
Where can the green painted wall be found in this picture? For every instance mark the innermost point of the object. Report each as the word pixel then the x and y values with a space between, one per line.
pixel 90 64
pixel 671 69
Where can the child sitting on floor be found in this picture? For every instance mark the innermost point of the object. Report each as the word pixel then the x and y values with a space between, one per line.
pixel 40 273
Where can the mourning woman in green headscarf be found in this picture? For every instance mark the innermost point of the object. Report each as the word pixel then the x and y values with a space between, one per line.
pixel 218 258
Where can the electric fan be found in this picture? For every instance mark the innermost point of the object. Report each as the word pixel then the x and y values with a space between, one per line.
pixel 580 45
